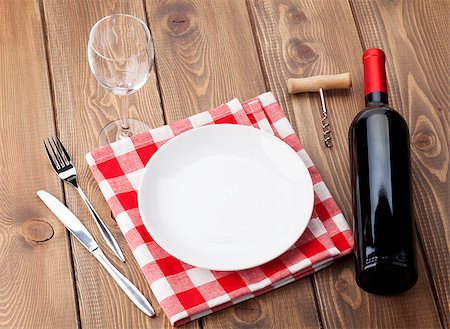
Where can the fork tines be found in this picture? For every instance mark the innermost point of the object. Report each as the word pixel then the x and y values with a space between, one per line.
pixel 59 158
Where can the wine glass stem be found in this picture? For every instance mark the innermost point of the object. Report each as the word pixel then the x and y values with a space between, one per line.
pixel 124 115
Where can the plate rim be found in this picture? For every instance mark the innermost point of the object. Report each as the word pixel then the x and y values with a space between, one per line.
pixel 169 250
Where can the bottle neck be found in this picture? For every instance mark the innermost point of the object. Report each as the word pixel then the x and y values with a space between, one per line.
pixel 377 98
pixel 375 86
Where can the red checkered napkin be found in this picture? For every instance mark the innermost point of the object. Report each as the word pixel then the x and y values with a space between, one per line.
pixel 185 292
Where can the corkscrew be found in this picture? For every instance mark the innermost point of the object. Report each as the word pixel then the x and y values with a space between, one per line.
pixel 325 124
pixel 319 83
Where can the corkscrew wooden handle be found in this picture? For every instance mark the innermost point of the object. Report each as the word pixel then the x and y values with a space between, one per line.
pixel 325 82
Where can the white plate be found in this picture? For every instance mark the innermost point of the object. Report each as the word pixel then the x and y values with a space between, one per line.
pixel 225 197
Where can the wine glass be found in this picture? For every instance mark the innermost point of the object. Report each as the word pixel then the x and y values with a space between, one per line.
pixel 121 56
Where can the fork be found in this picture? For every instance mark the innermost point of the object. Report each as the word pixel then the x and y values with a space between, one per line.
pixel 64 168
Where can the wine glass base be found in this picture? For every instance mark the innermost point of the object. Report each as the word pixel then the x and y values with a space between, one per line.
pixel 112 132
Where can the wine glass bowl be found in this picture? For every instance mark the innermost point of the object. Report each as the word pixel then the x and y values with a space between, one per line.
pixel 121 57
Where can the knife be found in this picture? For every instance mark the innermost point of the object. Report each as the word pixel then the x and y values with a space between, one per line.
pixel 74 225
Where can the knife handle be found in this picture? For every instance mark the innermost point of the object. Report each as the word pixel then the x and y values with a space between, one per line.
pixel 107 235
pixel 132 292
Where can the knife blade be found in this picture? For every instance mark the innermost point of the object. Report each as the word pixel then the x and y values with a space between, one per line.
pixel 76 227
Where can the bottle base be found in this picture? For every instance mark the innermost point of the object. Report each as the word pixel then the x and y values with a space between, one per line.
pixel 386 280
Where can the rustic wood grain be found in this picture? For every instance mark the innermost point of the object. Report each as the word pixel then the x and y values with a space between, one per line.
pixel 206 55
pixel 83 108
pixel 300 39
pixel 303 38
pixel 347 306
pixel 36 281
pixel 416 39
pixel 291 306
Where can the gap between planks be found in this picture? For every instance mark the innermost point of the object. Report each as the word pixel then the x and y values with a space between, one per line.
pixel 155 65
pixel 358 27
pixel 55 128
pixel 421 246
pixel 267 85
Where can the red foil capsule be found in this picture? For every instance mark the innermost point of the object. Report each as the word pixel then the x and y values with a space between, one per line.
pixel 374 71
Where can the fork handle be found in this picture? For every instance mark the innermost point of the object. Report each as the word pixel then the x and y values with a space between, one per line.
pixel 109 238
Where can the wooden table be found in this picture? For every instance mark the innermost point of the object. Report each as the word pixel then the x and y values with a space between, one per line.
pixel 208 52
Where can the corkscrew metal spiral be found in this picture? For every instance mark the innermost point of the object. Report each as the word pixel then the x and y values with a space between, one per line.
pixel 325 124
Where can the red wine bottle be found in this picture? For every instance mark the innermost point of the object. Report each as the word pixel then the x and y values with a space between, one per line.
pixel 380 169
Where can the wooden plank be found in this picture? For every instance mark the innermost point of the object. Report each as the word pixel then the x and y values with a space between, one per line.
pixel 206 55
pixel 291 306
pixel 83 108
pixel 415 37
pixel 303 38
pixel 37 284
